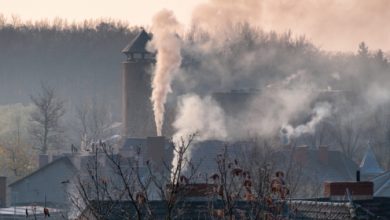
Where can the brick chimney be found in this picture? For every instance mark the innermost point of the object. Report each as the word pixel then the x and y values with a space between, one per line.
pixel 3 191
pixel 323 154
pixel 300 154
pixel 358 190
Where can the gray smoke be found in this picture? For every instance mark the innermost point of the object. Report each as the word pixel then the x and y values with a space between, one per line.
pixel 284 83
pixel 320 112
pixel 191 108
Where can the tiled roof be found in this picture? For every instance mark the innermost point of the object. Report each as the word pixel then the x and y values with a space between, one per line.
pixel 301 209
pixel 323 208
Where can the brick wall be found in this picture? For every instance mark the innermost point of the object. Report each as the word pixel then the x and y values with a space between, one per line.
pixel 358 190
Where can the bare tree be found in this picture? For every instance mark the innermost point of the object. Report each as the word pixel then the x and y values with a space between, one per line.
pixel 109 179
pixel 92 189
pixel 94 121
pixel 247 182
pixel 232 182
pixel 170 181
pixel 46 128
pixel 347 135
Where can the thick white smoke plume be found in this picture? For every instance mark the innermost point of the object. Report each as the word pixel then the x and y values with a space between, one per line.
pixel 166 42
pixel 202 116
pixel 320 112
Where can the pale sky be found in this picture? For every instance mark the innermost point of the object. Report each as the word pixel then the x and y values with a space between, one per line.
pixel 330 24
pixel 137 12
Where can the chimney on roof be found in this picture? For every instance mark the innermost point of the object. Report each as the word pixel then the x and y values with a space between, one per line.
pixel 300 154
pixel 359 190
pixel 3 191
pixel 323 155
pixel 357 175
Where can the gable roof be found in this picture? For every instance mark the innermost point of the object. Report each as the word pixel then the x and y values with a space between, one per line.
pixel 138 44
pixel 65 160
pixel 369 164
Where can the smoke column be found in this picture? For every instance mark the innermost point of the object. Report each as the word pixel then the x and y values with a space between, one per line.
pixel 191 109
pixel 166 42
pixel 320 111
pixel 202 116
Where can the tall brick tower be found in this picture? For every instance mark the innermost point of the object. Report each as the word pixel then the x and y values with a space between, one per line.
pixel 137 113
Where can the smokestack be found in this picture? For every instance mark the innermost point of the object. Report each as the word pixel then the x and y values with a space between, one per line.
pixel 3 191
pixel 137 115
pixel 358 176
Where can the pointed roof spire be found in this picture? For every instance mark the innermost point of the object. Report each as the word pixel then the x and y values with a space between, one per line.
pixel 138 44
pixel 369 164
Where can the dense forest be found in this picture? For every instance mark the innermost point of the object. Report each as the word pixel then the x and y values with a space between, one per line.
pixel 80 60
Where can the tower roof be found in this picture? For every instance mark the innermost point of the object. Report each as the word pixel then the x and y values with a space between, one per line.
pixel 138 44
pixel 369 164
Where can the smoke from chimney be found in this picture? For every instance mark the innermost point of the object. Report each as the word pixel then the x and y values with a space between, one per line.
pixel 166 42
pixel 320 111
pixel 227 49
pixel 200 115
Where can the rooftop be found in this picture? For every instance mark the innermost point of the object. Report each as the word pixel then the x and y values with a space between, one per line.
pixel 138 44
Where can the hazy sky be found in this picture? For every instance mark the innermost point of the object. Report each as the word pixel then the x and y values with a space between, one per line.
pixel 133 11
pixel 330 24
